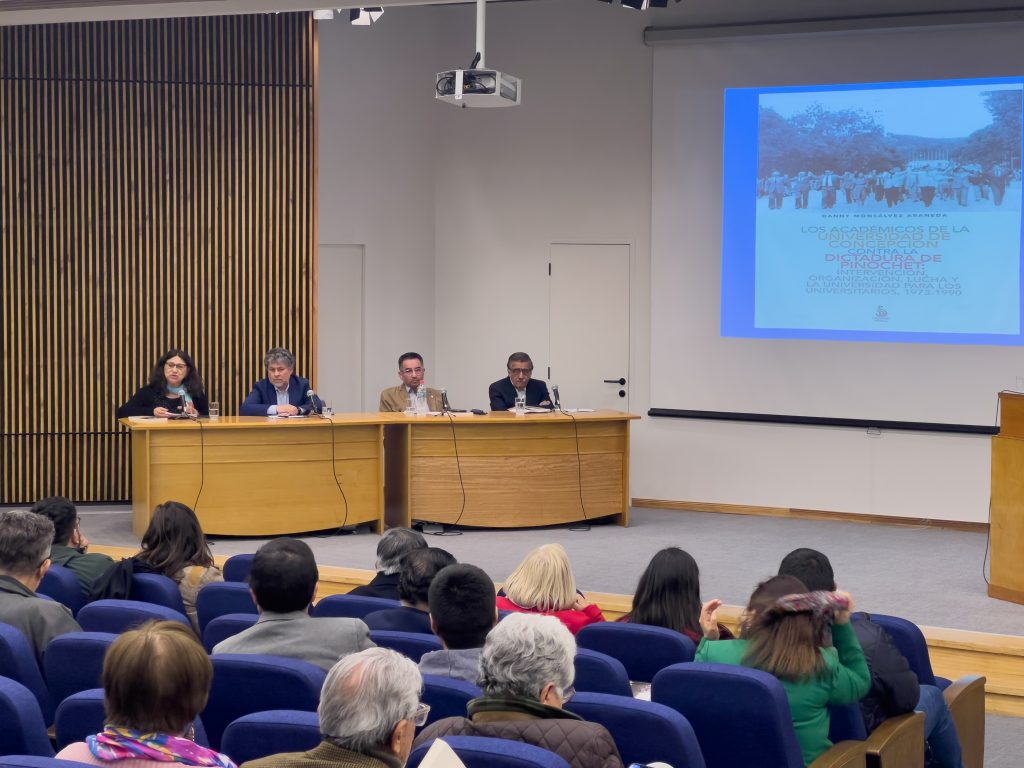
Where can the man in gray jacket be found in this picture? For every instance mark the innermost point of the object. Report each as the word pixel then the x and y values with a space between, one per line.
pixel 24 559
pixel 462 612
pixel 282 582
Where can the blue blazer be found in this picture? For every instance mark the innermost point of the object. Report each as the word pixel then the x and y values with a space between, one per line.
pixel 263 395
pixel 503 394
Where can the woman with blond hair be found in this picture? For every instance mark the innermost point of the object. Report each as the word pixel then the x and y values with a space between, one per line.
pixel 543 583
pixel 156 680
pixel 782 633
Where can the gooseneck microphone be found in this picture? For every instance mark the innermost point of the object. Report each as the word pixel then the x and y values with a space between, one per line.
pixel 445 405
pixel 312 399
pixel 554 393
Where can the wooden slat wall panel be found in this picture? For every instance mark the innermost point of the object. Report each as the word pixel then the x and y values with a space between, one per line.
pixel 156 190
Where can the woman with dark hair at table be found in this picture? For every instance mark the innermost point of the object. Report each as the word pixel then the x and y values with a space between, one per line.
pixel 668 595
pixel 174 388
pixel 174 544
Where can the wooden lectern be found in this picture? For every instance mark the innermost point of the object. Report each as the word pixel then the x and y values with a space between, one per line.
pixel 1006 581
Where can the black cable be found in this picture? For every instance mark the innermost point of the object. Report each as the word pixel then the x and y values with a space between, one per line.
pixel 579 469
pixel 339 531
pixel 453 530
pixel 202 464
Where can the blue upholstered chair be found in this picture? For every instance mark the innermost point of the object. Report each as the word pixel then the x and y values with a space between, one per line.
pixel 248 683
pixel 157 589
pixel 22 730
pixel 34 761
pixel 62 585
pixel 741 716
pixel 896 743
pixel 483 752
pixel 270 733
pixel 599 673
pixel 74 662
pixel 228 625
pixel 237 567
pixel 644 732
pixel 447 697
pixel 410 644
pixel 222 598
pixel 118 616
pixel 18 662
pixel 352 606
pixel 643 650
pixel 400 619
pixel 82 714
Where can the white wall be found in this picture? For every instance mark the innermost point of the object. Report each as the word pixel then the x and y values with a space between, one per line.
pixel 458 212
pixel 376 178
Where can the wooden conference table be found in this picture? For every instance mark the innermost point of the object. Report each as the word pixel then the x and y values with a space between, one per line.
pixel 258 476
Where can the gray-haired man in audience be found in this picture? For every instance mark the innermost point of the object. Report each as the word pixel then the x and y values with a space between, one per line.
pixel 369 709
pixel 391 548
pixel 25 539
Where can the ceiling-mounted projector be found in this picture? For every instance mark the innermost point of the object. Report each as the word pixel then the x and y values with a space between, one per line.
pixel 478 86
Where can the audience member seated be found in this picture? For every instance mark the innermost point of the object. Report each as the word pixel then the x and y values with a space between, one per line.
pixel 782 633
pixel 175 546
pixel 69 543
pixel 526 672
pixel 283 581
pixel 391 548
pixel 418 570
pixel 462 612
pixel 668 595
pixel 543 583
pixel 894 687
pixel 25 539
pixel 369 709
pixel 156 680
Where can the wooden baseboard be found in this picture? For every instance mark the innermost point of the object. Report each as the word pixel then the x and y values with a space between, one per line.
pixel 810 514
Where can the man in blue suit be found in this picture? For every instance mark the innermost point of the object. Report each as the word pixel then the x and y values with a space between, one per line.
pixel 520 369
pixel 282 393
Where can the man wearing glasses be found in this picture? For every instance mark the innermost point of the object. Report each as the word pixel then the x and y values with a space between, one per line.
pixel 369 709
pixel 24 559
pixel 402 396
pixel 519 382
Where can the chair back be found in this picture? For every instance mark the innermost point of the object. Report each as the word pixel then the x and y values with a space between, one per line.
pixel 237 567
pixel 157 589
pixel 909 641
pixel 447 696
pixel 484 752
pixel 352 606
pixel 18 662
pixel 644 732
pixel 248 683
pixel 119 616
pixel 597 672
pixel 62 585
pixel 846 723
pixel 74 662
pixel 410 644
pixel 33 761
pixel 22 730
pixel 270 733
pixel 643 650
pixel 222 598
pixel 82 714
pixel 228 625
pixel 741 716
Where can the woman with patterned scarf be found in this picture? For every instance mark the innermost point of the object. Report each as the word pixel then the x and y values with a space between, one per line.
pixel 781 633
pixel 175 389
pixel 156 680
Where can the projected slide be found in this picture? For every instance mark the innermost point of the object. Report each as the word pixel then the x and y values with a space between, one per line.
pixel 881 212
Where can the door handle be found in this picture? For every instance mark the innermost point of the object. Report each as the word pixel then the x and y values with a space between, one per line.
pixel 620 382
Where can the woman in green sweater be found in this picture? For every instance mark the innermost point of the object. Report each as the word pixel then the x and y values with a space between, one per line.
pixel 783 633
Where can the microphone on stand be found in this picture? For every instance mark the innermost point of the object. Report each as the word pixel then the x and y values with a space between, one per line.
pixel 558 401
pixel 313 399
pixel 445 405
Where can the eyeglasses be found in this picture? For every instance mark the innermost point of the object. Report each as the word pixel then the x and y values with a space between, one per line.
pixel 176 366
pixel 567 694
pixel 412 370
pixel 419 718
pixel 520 371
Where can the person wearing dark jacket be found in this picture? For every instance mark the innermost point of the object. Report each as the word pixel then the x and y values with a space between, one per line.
pixel 520 381
pixel 391 548
pixel 281 393
pixel 419 568
pixel 526 672
pixel 175 388
pixel 894 687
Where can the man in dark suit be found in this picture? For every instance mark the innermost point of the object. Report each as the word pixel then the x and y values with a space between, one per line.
pixel 393 546
pixel 282 393
pixel 520 368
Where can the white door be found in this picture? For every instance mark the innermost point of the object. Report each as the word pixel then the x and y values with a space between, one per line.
pixel 340 326
pixel 589 325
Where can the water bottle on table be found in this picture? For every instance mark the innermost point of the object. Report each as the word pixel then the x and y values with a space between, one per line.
pixel 421 399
